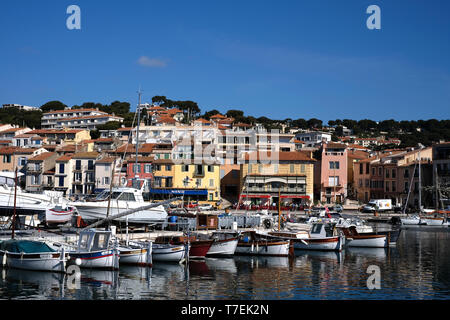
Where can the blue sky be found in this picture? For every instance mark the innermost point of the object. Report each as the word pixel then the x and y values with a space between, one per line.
pixel 280 59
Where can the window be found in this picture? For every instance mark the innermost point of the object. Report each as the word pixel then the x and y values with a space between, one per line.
pixel 168 167
pixel 406 174
pixel 158 182
pixel 136 168
pixel 211 197
pixel 380 171
pixel 35 179
pixel 90 164
pixel 291 168
pixel 334 164
pixel 61 181
pixel 360 182
pixel 61 168
pixel 394 173
pixel 275 168
pixel 211 182
pixel 198 182
pixel 169 182
pixel 157 167
pixel 302 168
pixel 406 186
pixel 373 171
pixel 78 165
pixel 77 176
pixel 105 180
pixel 199 169
pixel 210 168
pixel 23 161
pixel 333 181
pixel 148 168
pixel 127 196
pixel 387 173
pixel 387 186
pixel 185 168
pixel 361 168
pixel 7 158
pixel 394 187
pixel 367 168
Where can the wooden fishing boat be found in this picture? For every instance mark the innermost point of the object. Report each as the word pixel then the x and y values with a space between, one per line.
pixel 166 252
pixel 393 235
pixel 355 239
pixel 321 237
pixel 95 251
pixel 411 220
pixel 225 243
pixel 32 255
pixel 136 254
pixel 251 243
pixel 435 221
pixel 198 248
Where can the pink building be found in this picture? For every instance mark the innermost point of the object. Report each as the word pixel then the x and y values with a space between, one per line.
pixel 333 177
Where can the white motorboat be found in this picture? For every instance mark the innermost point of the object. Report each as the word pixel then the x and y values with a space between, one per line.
pixel 122 199
pixel 32 255
pixel 356 222
pixel 95 250
pixel 225 242
pixel 26 203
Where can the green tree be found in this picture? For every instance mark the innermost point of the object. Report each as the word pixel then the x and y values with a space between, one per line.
pixel 53 106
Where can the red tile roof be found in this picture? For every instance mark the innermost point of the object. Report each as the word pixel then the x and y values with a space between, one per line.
pixel 42 156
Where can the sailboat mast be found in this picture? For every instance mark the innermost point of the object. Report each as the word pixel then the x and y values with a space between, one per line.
pixel 420 186
pixel 136 174
pixel 14 213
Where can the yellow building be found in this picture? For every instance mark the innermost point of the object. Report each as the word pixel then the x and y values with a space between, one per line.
pixel 289 174
pixel 63 136
pixel 197 182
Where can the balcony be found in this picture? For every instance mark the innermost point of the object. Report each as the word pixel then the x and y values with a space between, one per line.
pixel 34 169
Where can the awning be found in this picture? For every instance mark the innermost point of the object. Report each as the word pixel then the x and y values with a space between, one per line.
pixel 294 197
pixel 200 192
pixel 255 196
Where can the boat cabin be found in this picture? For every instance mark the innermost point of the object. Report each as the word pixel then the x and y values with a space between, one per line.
pixel 321 230
pixel 94 240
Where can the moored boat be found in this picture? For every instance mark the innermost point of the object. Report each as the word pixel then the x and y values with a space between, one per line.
pixel 135 254
pixel 59 215
pixel 250 243
pixel 321 237
pixel 225 243
pixel 198 248
pixel 95 251
pixel 166 252
pixel 32 255
pixel 355 239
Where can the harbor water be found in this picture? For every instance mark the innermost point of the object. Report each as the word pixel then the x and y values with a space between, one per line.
pixel 418 267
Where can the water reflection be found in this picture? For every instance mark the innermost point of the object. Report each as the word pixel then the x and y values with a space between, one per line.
pixel 416 268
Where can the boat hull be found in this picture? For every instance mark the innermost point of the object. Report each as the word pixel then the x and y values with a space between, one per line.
pixel 168 252
pixel 134 256
pixel 263 248
pixel 225 247
pixel 97 210
pixel 46 261
pixel 434 221
pixel 104 259
pixel 199 249
pixel 53 216
pixel 370 241
pixel 319 244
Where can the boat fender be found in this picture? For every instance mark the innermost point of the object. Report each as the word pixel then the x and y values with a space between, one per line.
pixel 267 223
pixel 4 259
pixel 304 242
pixel 78 261
pixel 252 247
